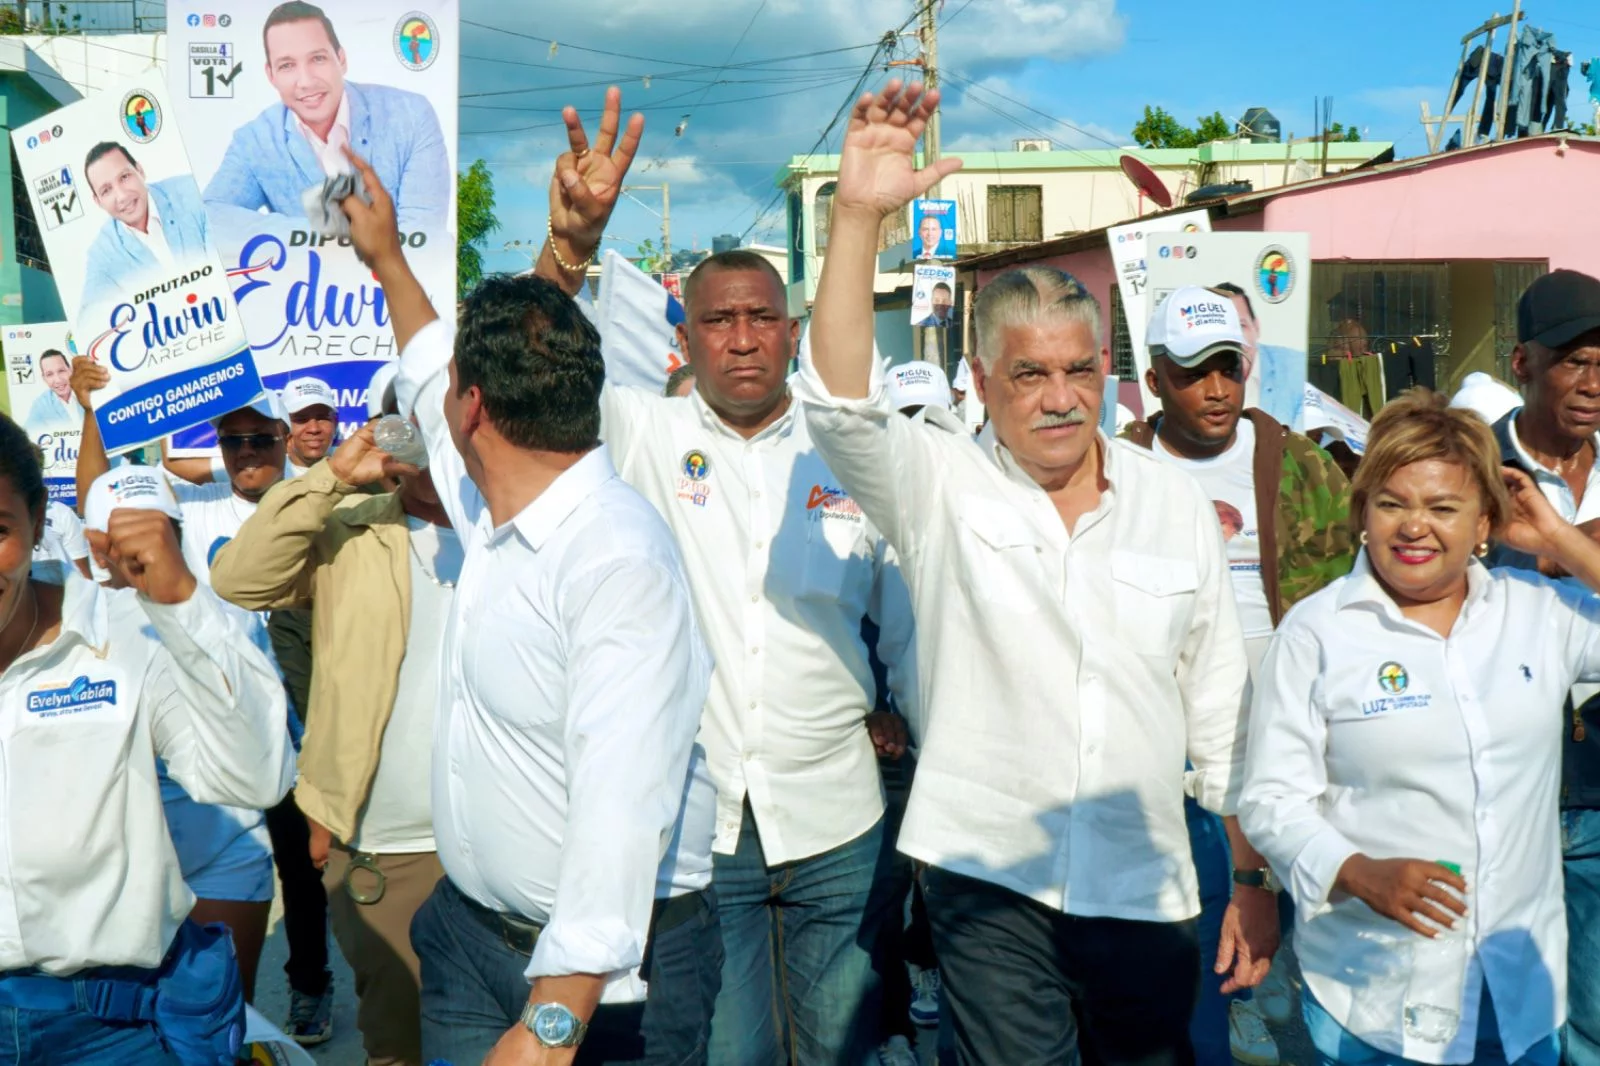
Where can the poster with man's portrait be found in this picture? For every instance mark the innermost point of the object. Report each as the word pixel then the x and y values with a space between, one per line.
pixel 933 296
pixel 38 361
pixel 271 95
pixel 132 253
pixel 933 224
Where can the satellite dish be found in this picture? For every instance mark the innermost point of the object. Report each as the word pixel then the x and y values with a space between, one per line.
pixel 1145 180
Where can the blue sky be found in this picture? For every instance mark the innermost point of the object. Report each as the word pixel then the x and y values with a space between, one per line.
pixel 1092 64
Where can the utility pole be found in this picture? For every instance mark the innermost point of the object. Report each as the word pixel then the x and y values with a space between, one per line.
pixel 666 215
pixel 934 342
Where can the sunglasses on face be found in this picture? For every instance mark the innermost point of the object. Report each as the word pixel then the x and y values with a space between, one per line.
pixel 257 441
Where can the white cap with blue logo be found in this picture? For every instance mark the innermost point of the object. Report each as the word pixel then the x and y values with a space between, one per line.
pixel 1192 324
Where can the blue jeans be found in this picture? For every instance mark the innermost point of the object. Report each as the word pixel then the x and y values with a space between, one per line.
pixel 1213 866
pixel 473 988
pixel 800 983
pixel 1580 840
pixel 1335 1046
pixel 76 1038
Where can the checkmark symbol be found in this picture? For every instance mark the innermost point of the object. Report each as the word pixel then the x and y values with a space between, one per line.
pixel 227 79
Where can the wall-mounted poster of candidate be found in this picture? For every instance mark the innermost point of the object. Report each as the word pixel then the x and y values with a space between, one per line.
pixel 270 95
pixel 131 249
pixel 934 225
pixel 39 379
pixel 933 295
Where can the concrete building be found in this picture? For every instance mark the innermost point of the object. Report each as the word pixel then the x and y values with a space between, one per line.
pixel 1018 198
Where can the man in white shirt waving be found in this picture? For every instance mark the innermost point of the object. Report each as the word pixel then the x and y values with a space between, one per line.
pixel 1049 795
pixel 783 567
pixel 571 689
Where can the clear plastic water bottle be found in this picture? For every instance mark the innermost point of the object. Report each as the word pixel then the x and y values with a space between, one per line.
pixel 1438 974
pixel 401 439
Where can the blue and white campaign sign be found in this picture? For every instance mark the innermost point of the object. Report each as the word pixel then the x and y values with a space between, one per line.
pixel 933 224
pixel 268 96
pixel 638 322
pixel 39 381
pixel 132 255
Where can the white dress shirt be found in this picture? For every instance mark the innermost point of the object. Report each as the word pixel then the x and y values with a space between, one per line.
pixel 1066 677
pixel 330 152
pixel 155 235
pixel 573 679
pixel 88 876
pixel 1372 734
pixel 783 567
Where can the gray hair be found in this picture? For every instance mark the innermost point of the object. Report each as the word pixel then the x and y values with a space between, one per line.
pixel 1024 295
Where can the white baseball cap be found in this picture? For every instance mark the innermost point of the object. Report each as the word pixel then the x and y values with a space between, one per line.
pixel 1192 324
pixel 308 392
pixel 269 404
pixel 380 390
pixel 140 488
pixel 1491 398
pixel 917 384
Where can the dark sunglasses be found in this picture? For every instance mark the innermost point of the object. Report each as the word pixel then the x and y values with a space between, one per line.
pixel 257 441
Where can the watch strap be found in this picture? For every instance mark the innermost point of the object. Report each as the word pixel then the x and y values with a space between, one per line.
pixel 580 1028
pixel 1262 878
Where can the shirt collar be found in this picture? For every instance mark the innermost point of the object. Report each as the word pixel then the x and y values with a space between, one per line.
pixel 1110 461
pixel 83 614
pixel 1538 469
pixel 538 521
pixel 781 427
pixel 1363 589
pixel 341 121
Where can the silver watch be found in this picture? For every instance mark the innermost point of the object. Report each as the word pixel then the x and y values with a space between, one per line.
pixel 553 1024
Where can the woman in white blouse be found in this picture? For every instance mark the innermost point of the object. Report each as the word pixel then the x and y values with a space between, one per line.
pixel 1404 757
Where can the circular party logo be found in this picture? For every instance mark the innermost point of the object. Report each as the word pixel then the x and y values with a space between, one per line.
pixel 1275 274
pixel 416 41
pixel 141 117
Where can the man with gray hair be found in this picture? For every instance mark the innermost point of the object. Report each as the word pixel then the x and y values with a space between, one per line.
pixel 1100 651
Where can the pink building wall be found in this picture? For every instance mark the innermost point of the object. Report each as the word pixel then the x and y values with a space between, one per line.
pixel 1519 200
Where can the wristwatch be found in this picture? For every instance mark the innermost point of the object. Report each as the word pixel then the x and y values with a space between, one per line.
pixel 1262 878
pixel 553 1024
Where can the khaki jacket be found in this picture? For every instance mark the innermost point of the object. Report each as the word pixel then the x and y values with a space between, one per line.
pixel 314 543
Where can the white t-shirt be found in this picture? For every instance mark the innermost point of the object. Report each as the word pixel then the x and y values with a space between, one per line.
pixel 212 516
pixel 61 546
pixel 397 818
pixel 1229 480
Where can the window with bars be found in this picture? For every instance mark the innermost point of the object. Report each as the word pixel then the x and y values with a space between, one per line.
pixel 1510 279
pixel 30 246
pixel 1387 300
pixel 1016 213
pixel 1121 340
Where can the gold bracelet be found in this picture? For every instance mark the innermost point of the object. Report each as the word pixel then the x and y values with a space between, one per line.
pixel 570 268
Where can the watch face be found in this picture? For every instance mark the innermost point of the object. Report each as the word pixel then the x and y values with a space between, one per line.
pixel 554 1025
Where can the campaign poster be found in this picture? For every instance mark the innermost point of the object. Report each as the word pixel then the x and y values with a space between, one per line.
pixel 933 295
pixel 1269 278
pixel 39 378
pixel 134 260
pixel 934 222
pixel 1127 257
pixel 268 95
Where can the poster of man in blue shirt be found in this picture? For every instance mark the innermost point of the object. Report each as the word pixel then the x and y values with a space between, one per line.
pixel 152 224
pixel 56 407
pixel 296 143
pixel 935 222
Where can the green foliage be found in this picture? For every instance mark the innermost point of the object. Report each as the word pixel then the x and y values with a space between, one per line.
pixel 475 220
pixel 1339 132
pixel 1157 129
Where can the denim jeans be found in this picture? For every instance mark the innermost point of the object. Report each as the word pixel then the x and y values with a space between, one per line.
pixel 1335 1046
pixel 1213 865
pixel 800 983
pixel 473 989
pixel 76 1038
pixel 1580 840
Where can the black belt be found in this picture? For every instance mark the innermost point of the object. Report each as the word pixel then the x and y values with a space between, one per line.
pixel 516 932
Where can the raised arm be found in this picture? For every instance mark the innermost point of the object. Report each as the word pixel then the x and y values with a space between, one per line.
pixel 584 191
pixel 877 177
pixel 88 376
pixel 376 236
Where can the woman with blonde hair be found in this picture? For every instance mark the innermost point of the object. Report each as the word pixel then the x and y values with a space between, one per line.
pixel 1405 754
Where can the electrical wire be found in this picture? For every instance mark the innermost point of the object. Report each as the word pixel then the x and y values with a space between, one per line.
pixel 731 53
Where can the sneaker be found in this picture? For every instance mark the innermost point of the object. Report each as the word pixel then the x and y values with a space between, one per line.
pixel 896 1051
pixel 310 1017
pixel 925 999
pixel 1248 1036
pixel 1274 998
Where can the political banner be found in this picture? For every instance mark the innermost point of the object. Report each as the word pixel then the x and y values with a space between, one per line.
pixel 268 95
pixel 1335 419
pixel 934 223
pixel 134 261
pixel 638 323
pixel 933 296
pixel 1127 258
pixel 1269 277
pixel 39 379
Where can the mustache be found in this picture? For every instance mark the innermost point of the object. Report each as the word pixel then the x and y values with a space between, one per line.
pixel 1052 419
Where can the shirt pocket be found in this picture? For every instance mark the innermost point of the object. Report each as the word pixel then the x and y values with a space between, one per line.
pixel 1155 598
pixel 835 558
pixel 1001 553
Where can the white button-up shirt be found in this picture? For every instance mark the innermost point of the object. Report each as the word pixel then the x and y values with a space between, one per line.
pixel 154 236
pixel 573 678
pixel 783 566
pixel 88 876
pixel 1372 734
pixel 1066 677
pixel 330 152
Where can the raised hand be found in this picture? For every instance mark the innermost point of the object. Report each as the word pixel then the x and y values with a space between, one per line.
pixel 374 231
pixel 877 165
pixel 1533 526
pixel 143 544
pixel 359 461
pixel 588 179
pixel 88 376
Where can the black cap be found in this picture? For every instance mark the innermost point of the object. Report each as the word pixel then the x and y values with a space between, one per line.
pixel 1558 308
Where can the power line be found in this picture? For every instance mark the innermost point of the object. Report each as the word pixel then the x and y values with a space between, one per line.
pixel 731 53
pixel 955 14
pixel 1026 107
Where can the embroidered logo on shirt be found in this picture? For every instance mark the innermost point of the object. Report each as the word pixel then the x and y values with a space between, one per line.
pixel 1393 679
pixel 695 465
pixel 81 695
pixel 826 501
pixel 694 468
pixel 1527 675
